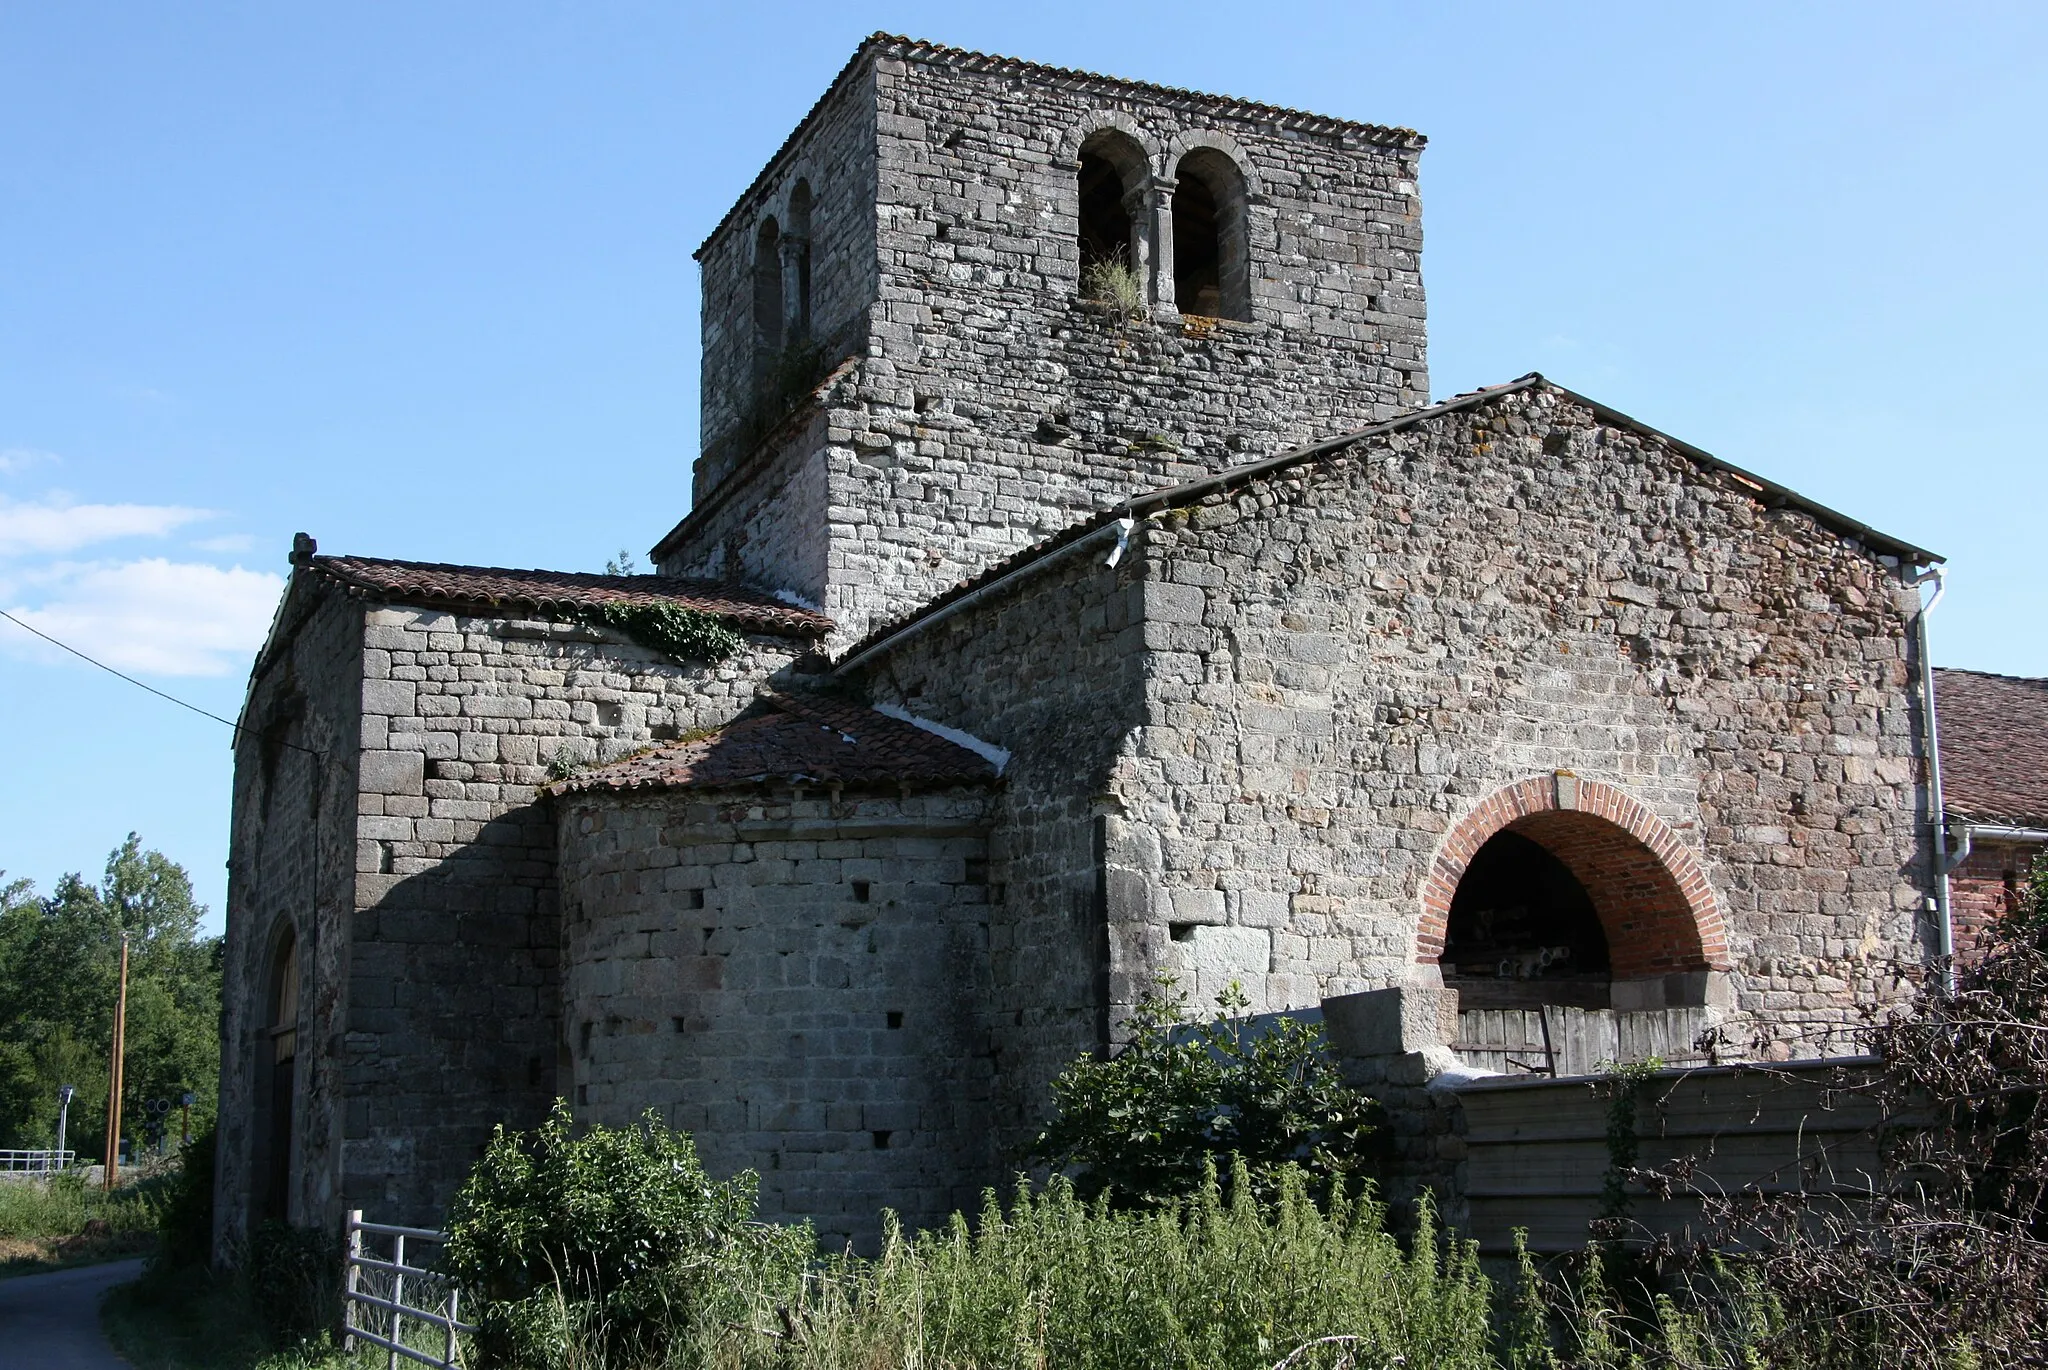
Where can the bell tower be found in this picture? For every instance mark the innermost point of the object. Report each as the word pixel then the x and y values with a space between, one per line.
pixel 973 300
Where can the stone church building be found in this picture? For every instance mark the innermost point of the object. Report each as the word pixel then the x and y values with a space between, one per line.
pixel 1104 596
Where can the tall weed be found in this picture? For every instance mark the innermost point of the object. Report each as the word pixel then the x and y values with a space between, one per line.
pixel 1055 1280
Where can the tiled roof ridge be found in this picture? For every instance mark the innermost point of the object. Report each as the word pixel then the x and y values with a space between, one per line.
pixel 896 752
pixel 918 49
pixel 455 585
pixel 2034 681
pixel 1190 492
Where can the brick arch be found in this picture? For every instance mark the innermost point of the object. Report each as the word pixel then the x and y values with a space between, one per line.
pixel 1652 897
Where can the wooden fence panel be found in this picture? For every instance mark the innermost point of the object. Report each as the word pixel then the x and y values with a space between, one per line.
pixel 1536 1152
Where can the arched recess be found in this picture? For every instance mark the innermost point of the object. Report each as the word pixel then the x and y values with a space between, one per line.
pixel 1211 236
pixel 1655 910
pixel 276 1079
pixel 1112 215
pixel 768 301
pixel 796 265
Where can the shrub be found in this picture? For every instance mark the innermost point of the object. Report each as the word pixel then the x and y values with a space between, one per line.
pixel 618 1234
pixel 183 1206
pixel 1178 1098
pixel 294 1277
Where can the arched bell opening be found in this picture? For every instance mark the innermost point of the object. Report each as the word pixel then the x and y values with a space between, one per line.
pixel 1112 227
pixel 1523 931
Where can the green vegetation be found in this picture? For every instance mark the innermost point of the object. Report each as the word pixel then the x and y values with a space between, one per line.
pixel 614 1248
pixel 1178 1098
pixel 1115 282
pixel 60 960
pixel 677 632
pixel 617 1235
pixel 46 1225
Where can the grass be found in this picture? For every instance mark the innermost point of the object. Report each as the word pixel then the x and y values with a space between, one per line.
pixel 58 1223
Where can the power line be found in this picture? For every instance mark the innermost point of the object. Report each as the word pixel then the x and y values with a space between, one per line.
pixel 90 661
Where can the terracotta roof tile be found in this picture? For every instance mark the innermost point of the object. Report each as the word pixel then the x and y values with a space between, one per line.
pixel 1994 746
pixel 436 585
pixel 793 739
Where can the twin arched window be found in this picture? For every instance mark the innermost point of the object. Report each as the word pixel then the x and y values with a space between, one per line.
pixel 782 286
pixel 1183 240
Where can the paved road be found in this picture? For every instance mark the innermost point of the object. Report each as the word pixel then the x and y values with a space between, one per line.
pixel 52 1322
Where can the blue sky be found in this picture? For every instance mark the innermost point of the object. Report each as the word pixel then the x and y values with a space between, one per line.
pixel 416 278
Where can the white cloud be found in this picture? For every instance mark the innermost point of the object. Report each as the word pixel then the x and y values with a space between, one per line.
pixel 228 542
pixel 14 459
pixel 155 616
pixel 55 525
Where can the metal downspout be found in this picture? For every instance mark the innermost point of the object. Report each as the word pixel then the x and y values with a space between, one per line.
pixel 1930 732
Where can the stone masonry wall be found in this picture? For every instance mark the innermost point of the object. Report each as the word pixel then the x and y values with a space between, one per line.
pixel 1048 670
pixel 1347 658
pixel 290 865
pixel 992 407
pixel 794 978
pixel 454 990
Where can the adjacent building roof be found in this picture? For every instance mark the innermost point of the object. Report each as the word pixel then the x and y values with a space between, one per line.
pixel 472 589
pixel 1994 747
pixel 793 739
pixel 917 50
pixel 1767 492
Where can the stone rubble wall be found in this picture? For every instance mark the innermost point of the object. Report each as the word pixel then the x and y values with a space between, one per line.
pixel 796 978
pixel 1344 660
pixel 455 987
pixel 291 851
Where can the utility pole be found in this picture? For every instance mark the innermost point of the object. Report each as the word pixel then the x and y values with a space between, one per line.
pixel 64 1093
pixel 110 1172
pixel 185 1131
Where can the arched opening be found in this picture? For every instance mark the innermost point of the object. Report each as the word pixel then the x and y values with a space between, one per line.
pixel 1576 928
pixel 768 302
pixel 1210 274
pixel 277 1073
pixel 796 249
pixel 1112 230
pixel 1523 930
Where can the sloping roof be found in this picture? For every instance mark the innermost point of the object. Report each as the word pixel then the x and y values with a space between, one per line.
pixel 793 739
pixel 1767 492
pixel 1994 746
pixel 491 588
pixel 917 50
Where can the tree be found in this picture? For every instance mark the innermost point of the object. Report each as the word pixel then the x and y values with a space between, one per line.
pixel 1145 1123
pixel 59 974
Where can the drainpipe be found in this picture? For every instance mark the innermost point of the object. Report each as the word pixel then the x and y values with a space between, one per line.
pixel 1930 735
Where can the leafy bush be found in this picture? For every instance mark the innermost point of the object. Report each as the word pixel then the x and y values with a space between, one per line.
pixel 1145 1123
pixel 671 629
pixel 618 1234
pixel 183 1206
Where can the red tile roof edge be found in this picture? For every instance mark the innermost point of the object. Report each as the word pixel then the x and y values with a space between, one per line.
pixel 444 585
